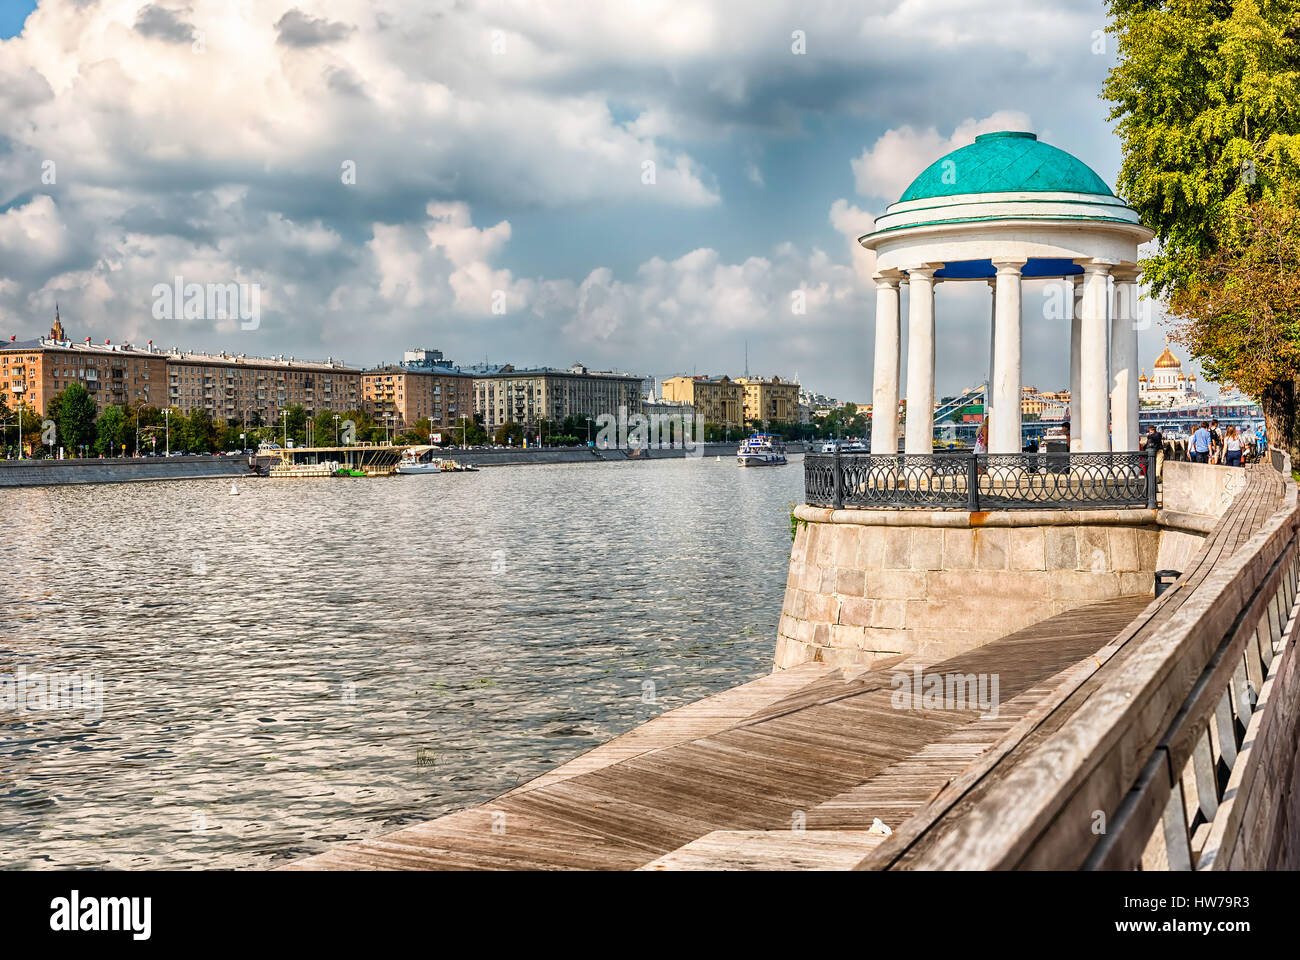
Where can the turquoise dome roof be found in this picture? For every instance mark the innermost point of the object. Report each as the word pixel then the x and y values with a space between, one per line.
pixel 1009 161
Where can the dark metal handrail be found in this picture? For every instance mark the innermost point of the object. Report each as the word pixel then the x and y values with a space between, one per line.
pixel 976 482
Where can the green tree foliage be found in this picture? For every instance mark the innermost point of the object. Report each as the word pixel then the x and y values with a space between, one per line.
pixel 73 411
pixel 1241 310
pixel 509 432
pixel 112 431
pixel 466 431
pixel 1207 95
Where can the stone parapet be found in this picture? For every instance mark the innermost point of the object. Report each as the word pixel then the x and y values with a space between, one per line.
pixel 864 585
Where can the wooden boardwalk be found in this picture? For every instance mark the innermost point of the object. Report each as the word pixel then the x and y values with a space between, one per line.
pixel 792 770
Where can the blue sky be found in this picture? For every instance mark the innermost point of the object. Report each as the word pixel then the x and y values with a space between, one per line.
pixel 499 206
pixel 12 15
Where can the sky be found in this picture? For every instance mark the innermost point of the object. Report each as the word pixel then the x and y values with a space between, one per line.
pixel 637 186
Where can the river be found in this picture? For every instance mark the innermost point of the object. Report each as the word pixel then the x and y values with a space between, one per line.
pixel 321 660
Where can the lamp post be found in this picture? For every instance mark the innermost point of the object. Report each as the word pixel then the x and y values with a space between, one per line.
pixel 336 429
pixel 167 426
pixel 284 414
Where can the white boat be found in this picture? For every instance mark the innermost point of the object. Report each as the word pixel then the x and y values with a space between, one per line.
pixel 411 463
pixel 761 450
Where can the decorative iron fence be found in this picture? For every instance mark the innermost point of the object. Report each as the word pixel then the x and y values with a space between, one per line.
pixel 968 481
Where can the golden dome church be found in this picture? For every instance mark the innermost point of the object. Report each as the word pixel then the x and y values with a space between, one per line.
pixel 1167 386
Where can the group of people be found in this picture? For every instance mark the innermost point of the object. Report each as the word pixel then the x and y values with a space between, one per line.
pixel 1229 447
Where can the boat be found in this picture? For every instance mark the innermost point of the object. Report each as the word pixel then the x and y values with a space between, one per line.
pixel 411 463
pixel 761 450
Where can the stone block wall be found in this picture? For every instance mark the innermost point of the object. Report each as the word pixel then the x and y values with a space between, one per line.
pixel 864 585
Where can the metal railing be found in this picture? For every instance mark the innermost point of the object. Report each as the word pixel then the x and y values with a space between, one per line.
pixel 977 482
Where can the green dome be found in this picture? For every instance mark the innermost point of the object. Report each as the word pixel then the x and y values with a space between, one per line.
pixel 1005 162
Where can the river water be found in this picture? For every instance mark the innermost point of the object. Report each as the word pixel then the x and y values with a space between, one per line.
pixel 320 660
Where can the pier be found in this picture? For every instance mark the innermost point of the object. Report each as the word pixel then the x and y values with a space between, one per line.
pixel 1171 721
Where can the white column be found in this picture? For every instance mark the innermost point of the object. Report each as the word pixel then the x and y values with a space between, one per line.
pixel 884 388
pixel 1124 362
pixel 1004 429
pixel 1093 396
pixel 919 436
pixel 1074 291
pixel 993 326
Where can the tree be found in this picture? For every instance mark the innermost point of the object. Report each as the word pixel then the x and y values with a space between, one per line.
pixel 1207 95
pixel 73 412
pixel 509 432
pixel 111 431
pixel 198 433
pixel 1240 310
pixel 323 428
pixel 467 431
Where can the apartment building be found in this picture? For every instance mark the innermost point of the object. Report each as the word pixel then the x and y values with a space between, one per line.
pixel 768 400
pixel 507 395
pixel 252 390
pixel 32 371
pixel 401 395
pixel 716 399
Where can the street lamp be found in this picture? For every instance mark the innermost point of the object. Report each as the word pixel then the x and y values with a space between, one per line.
pixel 167 418
pixel 336 429
pixel 285 415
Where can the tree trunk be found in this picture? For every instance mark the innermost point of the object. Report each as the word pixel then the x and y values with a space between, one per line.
pixel 1279 403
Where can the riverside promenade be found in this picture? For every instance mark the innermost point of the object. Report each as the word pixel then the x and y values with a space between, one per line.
pixel 1169 720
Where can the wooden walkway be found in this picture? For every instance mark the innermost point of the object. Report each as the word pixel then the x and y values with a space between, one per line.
pixel 933 838
pixel 792 770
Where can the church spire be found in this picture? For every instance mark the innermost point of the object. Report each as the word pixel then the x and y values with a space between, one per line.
pixel 56 331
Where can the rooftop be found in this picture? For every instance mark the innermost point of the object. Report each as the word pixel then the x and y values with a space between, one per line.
pixel 1009 161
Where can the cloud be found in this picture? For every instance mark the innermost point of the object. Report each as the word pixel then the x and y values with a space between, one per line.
pixel 886 169
pixel 163 24
pixel 298 29
pixel 383 169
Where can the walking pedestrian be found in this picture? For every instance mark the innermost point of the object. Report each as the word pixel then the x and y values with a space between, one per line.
pixel 1216 442
pixel 1200 444
pixel 1231 448
pixel 1156 441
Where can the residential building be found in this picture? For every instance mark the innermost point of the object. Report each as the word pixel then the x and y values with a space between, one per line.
pixel 527 396
pixel 769 400
pixel 238 388
pixel 716 399
pixel 402 395
pixel 32 371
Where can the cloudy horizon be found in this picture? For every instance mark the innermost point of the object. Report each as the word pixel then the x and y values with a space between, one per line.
pixel 640 187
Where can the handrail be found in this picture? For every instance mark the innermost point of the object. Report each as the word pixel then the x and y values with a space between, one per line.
pixel 979 482
pixel 1160 767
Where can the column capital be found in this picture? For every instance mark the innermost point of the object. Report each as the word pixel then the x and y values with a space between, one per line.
pixel 1125 273
pixel 888 278
pixel 1010 265
pixel 1093 268
pixel 923 271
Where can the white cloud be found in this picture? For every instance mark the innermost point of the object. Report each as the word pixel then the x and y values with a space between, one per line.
pixel 886 168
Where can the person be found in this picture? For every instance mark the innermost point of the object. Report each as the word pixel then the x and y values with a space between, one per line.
pixel 982 438
pixel 1200 444
pixel 1216 442
pixel 1261 441
pixel 1231 448
pixel 1156 442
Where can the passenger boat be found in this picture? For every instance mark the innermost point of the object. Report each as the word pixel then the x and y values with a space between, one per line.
pixel 761 450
